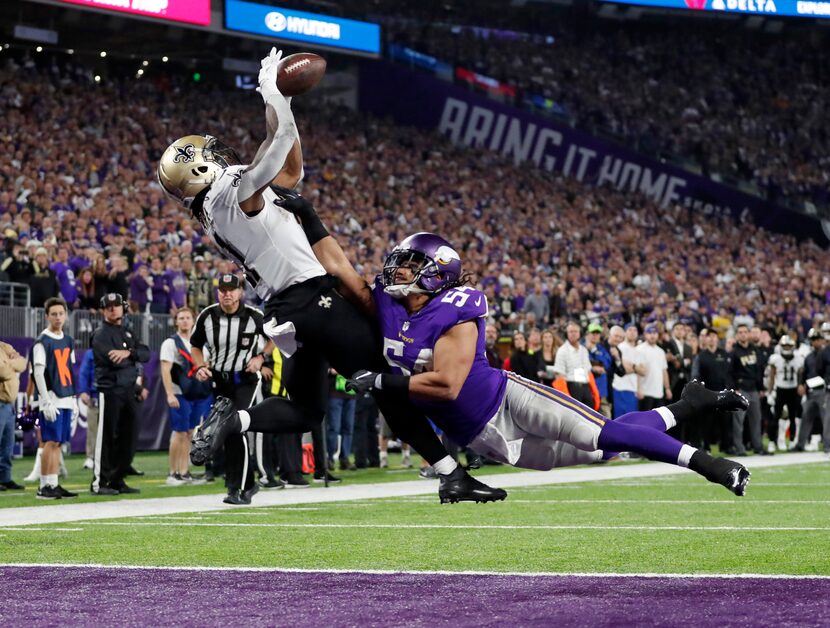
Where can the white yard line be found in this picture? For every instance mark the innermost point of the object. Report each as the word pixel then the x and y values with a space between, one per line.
pixel 445 526
pixel 514 574
pixel 115 509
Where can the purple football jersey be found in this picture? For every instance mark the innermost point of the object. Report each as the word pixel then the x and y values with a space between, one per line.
pixel 408 343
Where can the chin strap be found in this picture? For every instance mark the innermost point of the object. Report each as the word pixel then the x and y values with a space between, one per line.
pixel 401 290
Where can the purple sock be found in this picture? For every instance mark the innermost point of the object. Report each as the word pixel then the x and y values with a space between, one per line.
pixel 651 443
pixel 650 419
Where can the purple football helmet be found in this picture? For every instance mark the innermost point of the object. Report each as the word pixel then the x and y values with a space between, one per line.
pixel 434 262
pixel 27 419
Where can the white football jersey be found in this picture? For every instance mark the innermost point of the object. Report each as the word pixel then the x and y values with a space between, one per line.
pixel 786 371
pixel 271 246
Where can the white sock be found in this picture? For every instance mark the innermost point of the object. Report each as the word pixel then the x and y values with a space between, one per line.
pixel 43 481
pixel 244 420
pixel 446 465
pixel 667 416
pixel 52 479
pixel 384 455
pixel 685 455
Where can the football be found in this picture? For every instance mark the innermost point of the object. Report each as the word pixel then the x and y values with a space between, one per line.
pixel 299 73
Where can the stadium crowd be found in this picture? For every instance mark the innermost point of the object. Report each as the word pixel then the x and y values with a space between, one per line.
pixel 79 194
pixel 733 103
pixel 81 216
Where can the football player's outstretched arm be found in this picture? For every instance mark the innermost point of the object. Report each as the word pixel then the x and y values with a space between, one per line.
pixel 327 250
pixel 452 360
pixel 292 171
pixel 280 139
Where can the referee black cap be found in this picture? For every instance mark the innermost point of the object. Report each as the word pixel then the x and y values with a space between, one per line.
pixel 111 299
pixel 229 281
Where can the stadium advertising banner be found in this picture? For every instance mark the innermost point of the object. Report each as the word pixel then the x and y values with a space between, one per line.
pixel 792 8
pixel 190 11
pixel 321 30
pixel 416 98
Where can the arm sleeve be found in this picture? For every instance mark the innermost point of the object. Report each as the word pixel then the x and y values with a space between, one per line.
pixel 40 380
pixel 101 346
pixel 142 352
pixel 260 173
pixel 38 354
pixel 198 338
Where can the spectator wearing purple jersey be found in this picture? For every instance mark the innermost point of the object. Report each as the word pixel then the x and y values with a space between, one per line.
pixel 140 289
pixel 66 277
pixel 159 289
pixel 176 282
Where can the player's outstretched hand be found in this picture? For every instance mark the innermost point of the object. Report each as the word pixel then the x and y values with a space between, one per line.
pixel 268 75
pixel 362 382
pixel 293 202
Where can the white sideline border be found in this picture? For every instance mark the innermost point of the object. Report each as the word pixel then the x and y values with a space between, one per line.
pixel 115 509
pixel 392 572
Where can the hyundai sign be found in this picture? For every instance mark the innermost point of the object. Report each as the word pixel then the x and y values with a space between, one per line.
pixel 190 11
pixel 795 8
pixel 311 28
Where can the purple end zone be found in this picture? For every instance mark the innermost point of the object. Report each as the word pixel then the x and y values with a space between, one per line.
pixel 149 597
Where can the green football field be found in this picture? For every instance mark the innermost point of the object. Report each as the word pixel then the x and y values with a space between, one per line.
pixel 671 524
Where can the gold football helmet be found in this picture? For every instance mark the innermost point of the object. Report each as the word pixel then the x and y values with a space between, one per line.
pixel 192 163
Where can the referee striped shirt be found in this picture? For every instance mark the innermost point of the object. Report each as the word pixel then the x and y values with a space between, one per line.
pixel 231 339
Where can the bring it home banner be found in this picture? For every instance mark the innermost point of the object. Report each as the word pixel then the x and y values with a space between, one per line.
pixel 416 98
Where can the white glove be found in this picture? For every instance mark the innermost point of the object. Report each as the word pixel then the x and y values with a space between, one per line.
pixel 49 409
pixel 268 75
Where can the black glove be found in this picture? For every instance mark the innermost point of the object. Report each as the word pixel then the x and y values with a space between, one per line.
pixel 361 382
pixel 293 202
pixel 303 209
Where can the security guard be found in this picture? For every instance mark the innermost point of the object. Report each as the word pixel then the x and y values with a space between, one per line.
pixel 116 352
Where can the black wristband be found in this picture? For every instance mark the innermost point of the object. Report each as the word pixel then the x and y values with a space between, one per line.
pixel 395 383
pixel 313 228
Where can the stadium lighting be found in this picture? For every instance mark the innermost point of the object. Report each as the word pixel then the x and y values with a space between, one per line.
pixel 39 49
pixel 164 59
pixel 140 72
pixel 103 53
pixel 145 63
pixel 97 78
pixel 70 51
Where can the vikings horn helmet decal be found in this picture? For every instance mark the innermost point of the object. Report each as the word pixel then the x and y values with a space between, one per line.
pixel 192 163
pixel 434 262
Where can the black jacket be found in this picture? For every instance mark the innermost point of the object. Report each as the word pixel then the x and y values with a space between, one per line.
pixel 527 364
pixel 108 375
pixel 713 368
pixel 747 368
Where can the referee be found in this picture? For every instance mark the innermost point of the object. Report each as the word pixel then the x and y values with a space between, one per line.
pixel 232 333
pixel 116 353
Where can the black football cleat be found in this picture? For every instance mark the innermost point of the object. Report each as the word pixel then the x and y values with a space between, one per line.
pixel 702 399
pixel 460 486
pixel 123 489
pixel 64 493
pixel 733 475
pixel 237 498
pixel 209 436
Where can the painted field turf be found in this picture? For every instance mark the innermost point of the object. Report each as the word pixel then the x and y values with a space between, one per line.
pixel 674 524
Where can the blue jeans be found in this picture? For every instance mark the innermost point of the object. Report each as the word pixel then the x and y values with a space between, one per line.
pixel 6 440
pixel 340 422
